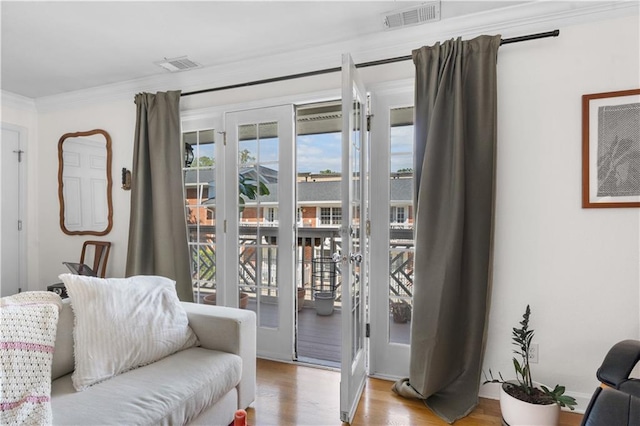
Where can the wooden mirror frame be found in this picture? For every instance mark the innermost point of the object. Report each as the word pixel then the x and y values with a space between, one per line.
pixel 108 176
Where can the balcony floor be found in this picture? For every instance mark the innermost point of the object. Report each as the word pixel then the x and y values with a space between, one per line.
pixel 319 338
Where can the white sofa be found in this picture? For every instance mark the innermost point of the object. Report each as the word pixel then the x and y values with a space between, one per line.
pixel 201 385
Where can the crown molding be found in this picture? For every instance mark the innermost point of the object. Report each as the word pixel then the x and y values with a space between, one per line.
pixel 15 101
pixel 513 21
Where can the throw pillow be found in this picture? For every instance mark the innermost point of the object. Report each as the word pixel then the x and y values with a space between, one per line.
pixel 28 323
pixel 123 323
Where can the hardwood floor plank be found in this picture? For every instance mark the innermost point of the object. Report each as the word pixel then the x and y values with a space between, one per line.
pixel 290 394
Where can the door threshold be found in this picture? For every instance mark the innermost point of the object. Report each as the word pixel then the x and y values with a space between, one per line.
pixel 318 363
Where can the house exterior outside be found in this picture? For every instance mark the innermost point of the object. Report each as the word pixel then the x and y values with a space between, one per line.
pixel 318 222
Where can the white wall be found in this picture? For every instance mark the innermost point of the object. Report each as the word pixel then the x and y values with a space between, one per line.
pixel 118 119
pixel 578 268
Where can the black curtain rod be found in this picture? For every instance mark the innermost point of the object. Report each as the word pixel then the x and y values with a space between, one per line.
pixel 554 33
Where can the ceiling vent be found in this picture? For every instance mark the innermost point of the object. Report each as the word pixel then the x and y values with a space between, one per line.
pixel 426 12
pixel 178 64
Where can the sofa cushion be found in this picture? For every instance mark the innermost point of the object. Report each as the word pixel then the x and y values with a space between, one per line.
pixel 174 390
pixel 123 323
pixel 63 361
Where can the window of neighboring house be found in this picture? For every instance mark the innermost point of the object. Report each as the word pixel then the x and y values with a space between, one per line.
pixel 397 215
pixel 330 215
pixel 271 214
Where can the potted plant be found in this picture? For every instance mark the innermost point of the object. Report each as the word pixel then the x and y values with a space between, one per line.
pixel 324 301
pixel 401 311
pixel 250 189
pixel 523 401
pixel 210 299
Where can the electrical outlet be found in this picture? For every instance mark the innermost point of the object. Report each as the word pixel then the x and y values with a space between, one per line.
pixel 533 353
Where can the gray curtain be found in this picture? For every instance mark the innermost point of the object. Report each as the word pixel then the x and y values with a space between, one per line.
pixel 455 143
pixel 158 227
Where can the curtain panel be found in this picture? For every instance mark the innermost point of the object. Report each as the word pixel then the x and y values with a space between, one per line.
pixel 158 227
pixel 455 145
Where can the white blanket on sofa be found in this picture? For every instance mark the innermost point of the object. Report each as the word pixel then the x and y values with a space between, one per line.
pixel 28 323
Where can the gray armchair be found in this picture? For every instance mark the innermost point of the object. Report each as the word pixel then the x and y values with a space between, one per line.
pixel 617 402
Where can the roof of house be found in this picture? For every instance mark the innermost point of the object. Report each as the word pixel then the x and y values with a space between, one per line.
pixel 195 175
pixel 308 191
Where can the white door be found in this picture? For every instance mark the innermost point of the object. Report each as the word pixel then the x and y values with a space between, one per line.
pixel 392 241
pixel 12 232
pixel 353 233
pixel 260 227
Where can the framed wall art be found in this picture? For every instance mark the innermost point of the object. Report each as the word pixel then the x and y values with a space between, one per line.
pixel 611 149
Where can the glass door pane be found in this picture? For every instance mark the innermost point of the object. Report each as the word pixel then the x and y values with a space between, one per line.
pixel 401 242
pixel 356 180
pixel 258 231
pixel 200 203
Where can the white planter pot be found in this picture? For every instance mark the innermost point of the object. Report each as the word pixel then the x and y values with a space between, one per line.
pixel 324 303
pixel 519 413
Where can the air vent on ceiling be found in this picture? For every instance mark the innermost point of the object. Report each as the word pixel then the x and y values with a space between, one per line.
pixel 426 12
pixel 178 64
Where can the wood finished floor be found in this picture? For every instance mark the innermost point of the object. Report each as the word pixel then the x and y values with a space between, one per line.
pixel 291 394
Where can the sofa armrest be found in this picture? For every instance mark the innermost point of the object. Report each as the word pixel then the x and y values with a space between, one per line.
pixel 228 330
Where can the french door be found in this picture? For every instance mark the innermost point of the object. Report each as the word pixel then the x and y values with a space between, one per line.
pixel 260 223
pixel 392 239
pixel 248 255
pixel 354 240
pixel 378 235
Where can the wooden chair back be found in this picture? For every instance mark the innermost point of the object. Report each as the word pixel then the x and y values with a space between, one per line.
pixel 101 256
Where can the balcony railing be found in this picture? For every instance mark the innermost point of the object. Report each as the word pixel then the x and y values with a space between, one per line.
pixel 257 263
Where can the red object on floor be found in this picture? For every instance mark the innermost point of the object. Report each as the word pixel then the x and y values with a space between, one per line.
pixel 240 418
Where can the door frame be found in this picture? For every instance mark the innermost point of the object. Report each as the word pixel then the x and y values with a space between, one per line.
pixel 22 206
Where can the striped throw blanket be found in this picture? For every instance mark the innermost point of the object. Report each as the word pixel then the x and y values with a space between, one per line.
pixel 28 323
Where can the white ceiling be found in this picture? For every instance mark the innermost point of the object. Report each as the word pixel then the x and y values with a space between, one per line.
pixel 50 48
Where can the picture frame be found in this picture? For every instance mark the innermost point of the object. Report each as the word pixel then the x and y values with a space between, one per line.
pixel 611 149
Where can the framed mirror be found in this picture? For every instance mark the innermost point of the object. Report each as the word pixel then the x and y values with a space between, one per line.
pixel 84 183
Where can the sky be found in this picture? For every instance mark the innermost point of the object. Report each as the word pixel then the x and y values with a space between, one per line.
pixel 316 153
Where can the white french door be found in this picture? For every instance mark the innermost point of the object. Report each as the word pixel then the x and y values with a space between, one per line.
pixel 260 151
pixel 354 245
pixel 392 240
